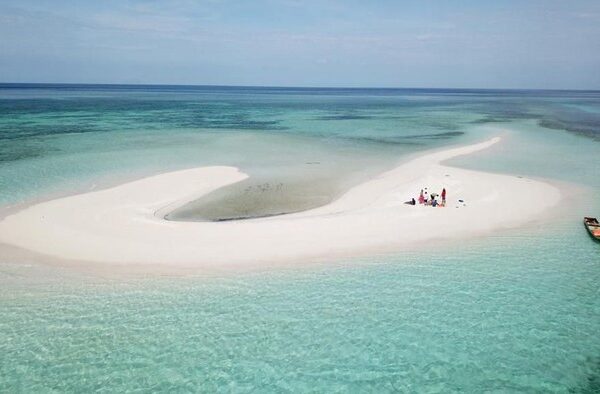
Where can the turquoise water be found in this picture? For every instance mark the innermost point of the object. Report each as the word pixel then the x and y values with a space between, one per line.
pixel 518 311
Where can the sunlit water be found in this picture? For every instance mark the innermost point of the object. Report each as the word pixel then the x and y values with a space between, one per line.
pixel 518 311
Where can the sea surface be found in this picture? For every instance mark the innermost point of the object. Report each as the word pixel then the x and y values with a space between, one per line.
pixel 517 311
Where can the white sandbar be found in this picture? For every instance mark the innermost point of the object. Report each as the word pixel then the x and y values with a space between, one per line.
pixel 125 224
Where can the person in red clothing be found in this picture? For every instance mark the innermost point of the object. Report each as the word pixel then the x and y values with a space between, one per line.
pixel 421 197
pixel 444 196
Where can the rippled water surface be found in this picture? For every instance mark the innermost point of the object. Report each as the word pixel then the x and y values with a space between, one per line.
pixel 518 311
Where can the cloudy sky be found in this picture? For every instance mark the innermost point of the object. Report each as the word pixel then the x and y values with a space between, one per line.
pixel 471 44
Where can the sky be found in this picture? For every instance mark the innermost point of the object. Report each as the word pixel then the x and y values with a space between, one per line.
pixel 448 44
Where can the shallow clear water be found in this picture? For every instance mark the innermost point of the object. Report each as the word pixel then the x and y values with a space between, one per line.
pixel 515 312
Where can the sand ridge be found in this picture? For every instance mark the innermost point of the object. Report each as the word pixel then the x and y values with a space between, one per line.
pixel 125 224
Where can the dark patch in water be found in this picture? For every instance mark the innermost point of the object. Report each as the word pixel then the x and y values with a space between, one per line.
pixel 566 116
pixel 21 153
pixel 384 141
pixel 26 149
pixel 437 136
pixel 26 131
pixel 592 383
pixel 239 125
pixel 585 129
pixel 84 114
pixel 344 117
pixel 489 119
pixel 410 140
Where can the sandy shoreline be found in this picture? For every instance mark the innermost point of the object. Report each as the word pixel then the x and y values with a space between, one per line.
pixel 125 225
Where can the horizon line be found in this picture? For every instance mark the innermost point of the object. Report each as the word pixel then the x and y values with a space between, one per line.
pixel 3 84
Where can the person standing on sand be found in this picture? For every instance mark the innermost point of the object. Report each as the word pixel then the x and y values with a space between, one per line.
pixel 421 197
pixel 444 196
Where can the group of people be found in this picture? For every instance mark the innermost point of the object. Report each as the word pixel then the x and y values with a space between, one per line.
pixel 430 200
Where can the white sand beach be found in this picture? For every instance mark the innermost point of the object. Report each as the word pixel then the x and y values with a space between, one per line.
pixel 125 224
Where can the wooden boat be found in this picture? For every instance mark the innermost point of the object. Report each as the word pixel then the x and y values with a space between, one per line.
pixel 593 227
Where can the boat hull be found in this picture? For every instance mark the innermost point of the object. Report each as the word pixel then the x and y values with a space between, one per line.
pixel 593 227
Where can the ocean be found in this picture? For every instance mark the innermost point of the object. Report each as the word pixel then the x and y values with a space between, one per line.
pixel 517 311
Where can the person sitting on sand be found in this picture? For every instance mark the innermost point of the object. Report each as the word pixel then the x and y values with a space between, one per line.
pixel 421 197
pixel 411 202
pixel 434 202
